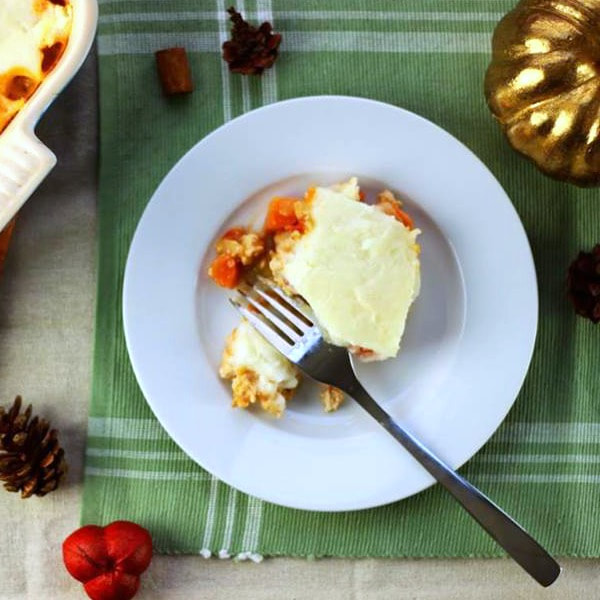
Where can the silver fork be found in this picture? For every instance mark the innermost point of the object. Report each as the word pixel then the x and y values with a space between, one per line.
pixel 286 324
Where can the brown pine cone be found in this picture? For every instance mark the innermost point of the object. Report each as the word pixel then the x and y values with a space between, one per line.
pixel 31 459
pixel 251 50
pixel 583 284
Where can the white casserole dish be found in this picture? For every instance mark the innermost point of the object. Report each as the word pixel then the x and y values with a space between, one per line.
pixel 24 160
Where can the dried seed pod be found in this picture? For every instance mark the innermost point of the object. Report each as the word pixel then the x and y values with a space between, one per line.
pixel 251 49
pixel 583 284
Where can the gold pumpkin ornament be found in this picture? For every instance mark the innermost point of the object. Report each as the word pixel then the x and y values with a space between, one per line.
pixel 543 85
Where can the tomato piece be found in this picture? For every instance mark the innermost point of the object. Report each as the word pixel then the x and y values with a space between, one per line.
pixel 226 271
pixel 281 215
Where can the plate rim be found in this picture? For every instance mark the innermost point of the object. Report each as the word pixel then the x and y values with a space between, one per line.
pixel 527 257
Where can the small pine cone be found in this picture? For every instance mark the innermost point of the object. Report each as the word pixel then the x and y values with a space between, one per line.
pixel 583 284
pixel 31 459
pixel 251 50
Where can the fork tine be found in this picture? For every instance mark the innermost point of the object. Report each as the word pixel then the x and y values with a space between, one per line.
pixel 269 314
pixel 281 306
pixel 293 304
pixel 267 329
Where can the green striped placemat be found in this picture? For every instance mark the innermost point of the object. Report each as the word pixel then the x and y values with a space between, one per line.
pixel 428 56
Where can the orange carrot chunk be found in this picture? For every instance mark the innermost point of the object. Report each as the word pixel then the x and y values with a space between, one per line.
pixel 226 271
pixel 393 209
pixel 404 218
pixel 281 215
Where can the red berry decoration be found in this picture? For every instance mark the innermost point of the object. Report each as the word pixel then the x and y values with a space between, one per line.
pixel 108 560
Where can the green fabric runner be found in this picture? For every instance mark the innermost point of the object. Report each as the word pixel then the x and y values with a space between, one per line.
pixel 428 56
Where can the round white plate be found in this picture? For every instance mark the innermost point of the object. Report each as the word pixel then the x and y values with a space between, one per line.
pixel 469 336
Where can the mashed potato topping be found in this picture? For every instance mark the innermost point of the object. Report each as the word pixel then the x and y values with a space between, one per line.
pixel 357 267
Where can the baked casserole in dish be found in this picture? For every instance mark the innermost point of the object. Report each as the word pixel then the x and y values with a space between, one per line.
pixel 42 45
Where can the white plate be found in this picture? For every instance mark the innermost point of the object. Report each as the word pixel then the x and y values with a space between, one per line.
pixel 469 337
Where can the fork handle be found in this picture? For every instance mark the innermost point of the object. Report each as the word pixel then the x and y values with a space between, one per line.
pixel 507 532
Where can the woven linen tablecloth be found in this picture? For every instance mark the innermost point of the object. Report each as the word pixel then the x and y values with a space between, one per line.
pixel 428 56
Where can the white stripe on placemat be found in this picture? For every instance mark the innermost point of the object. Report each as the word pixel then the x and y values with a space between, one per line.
pixel 145 475
pixel 306 41
pixel 399 15
pixel 161 17
pixel 246 102
pixel 549 433
pixel 588 459
pixel 144 43
pixel 124 428
pixel 536 478
pixel 269 78
pixel 136 454
pixel 229 523
pixel 321 15
pixel 252 531
pixel 225 83
pixel 209 526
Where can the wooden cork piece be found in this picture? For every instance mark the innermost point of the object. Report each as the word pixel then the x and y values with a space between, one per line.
pixel 174 71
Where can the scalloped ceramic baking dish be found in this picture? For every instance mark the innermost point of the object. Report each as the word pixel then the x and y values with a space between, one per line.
pixel 24 160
